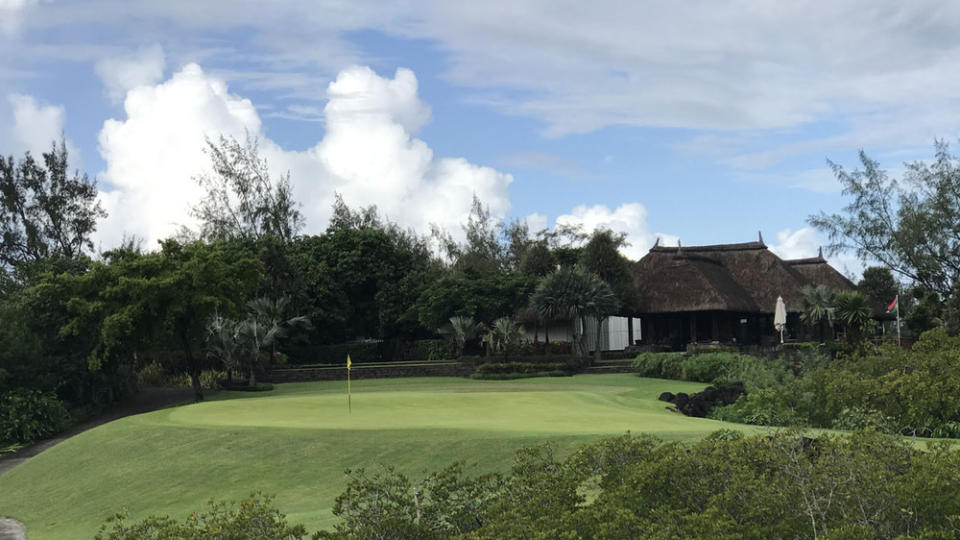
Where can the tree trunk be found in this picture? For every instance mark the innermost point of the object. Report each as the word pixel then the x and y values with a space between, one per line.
pixel 252 383
pixel 195 382
pixel 546 336
pixel 596 350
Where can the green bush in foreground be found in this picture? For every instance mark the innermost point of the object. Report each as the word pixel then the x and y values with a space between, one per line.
pixel 30 415
pixel 728 486
pixel 253 517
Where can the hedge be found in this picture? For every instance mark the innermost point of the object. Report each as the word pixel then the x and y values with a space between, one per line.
pixel 520 367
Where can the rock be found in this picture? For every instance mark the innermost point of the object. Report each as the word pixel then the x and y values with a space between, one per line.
pixel 666 396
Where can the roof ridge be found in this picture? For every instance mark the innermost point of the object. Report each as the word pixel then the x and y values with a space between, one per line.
pixel 743 246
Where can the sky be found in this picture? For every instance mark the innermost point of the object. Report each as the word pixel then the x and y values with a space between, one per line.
pixel 701 122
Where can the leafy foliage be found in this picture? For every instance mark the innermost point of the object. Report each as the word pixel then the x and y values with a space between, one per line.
pixel 253 517
pixel 44 211
pixel 30 415
pixel 241 200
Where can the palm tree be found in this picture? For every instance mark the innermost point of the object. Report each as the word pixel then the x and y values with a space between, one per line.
pixel 601 302
pixel 254 336
pixel 503 335
pixel 816 307
pixel 272 315
pixel 462 329
pixel 569 292
pixel 223 343
pixel 853 313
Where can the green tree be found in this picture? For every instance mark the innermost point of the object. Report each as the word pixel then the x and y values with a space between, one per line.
pixel 503 336
pixel 241 199
pixel 462 329
pixel 272 314
pixel 852 311
pixel 601 302
pixel 911 226
pixel 161 300
pixel 44 210
pixel 879 288
pixel 570 293
pixel 601 256
pixel 816 308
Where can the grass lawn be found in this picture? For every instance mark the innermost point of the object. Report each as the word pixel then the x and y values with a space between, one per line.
pixel 296 441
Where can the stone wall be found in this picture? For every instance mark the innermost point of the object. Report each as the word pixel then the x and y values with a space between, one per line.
pixel 442 369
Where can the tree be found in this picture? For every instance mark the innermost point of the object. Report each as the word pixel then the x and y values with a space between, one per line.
pixel 601 256
pixel 241 199
pixel 161 301
pixel 45 211
pixel 463 329
pixel 912 227
pixel 569 292
pixel 601 303
pixel 223 343
pixel 879 288
pixel 272 315
pixel 852 311
pixel 816 308
pixel 504 334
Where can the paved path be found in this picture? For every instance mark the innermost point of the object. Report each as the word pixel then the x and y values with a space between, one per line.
pixel 11 529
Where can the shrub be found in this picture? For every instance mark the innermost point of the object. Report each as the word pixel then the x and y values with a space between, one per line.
pixel 260 387
pixel 756 373
pixel 520 367
pixel 30 415
pixel 153 374
pixel 659 365
pixel 708 367
pixel 254 517
pixel 858 418
pixel 209 379
pixel 512 376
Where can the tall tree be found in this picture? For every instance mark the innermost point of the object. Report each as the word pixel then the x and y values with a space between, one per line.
pixel 911 226
pixel 45 211
pixel 601 256
pixel 816 308
pixel 162 301
pixel 574 294
pixel 241 199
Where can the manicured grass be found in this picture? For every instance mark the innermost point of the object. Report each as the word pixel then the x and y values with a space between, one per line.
pixel 296 441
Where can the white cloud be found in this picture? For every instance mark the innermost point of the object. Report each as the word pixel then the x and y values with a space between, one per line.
pixel 33 126
pixel 805 242
pixel 120 74
pixel 11 12
pixel 629 218
pixel 368 154
pixel 536 222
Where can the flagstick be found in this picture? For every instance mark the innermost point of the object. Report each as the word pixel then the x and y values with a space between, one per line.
pixel 349 401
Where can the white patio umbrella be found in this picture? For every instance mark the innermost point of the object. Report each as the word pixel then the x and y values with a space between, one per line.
pixel 780 317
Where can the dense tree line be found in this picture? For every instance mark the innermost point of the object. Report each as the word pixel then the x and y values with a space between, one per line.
pixel 79 325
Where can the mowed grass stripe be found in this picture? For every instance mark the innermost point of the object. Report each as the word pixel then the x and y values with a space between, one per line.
pixel 296 441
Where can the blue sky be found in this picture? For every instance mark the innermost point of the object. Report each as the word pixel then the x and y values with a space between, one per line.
pixel 706 123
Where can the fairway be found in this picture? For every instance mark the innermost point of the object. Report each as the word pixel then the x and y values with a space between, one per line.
pixel 296 441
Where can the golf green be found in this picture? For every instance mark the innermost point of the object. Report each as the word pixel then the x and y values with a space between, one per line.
pixel 296 441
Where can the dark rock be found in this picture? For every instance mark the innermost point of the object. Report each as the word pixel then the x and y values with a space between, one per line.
pixel 666 396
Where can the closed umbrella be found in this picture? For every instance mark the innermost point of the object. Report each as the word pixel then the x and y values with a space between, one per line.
pixel 780 317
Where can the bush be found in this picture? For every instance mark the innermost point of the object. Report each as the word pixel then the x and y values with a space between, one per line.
pixel 153 374
pixel 858 418
pixel 254 517
pixel 708 367
pixel 756 373
pixel 519 367
pixel 260 387
pixel 30 415
pixel 209 379
pixel 659 365
pixel 512 376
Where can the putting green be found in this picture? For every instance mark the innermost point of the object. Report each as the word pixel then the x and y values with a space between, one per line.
pixel 296 441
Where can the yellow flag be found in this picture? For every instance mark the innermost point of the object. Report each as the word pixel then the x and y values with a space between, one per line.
pixel 348 362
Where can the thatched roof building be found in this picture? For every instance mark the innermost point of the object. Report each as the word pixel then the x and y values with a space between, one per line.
pixel 724 292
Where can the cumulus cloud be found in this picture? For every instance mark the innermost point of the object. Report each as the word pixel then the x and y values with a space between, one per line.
pixel 805 242
pixel 629 218
pixel 369 154
pixel 121 74
pixel 32 126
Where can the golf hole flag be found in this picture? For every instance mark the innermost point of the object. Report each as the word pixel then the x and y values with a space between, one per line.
pixel 894 306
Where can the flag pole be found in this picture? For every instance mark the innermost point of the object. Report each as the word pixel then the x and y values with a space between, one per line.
pixel 349 400
pixel 898 320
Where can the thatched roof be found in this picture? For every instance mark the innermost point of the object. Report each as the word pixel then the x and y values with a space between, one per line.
pixel 744 277
pixel 817 271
